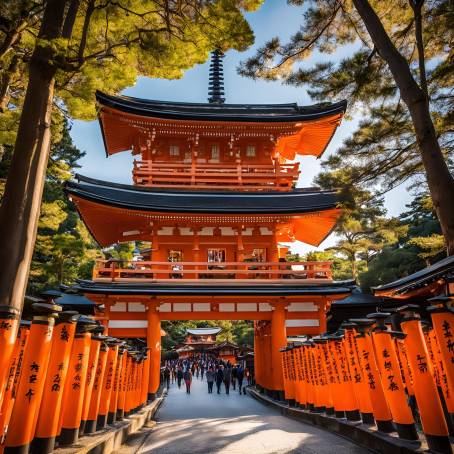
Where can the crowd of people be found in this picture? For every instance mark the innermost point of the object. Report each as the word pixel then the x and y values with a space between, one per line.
pixel 216 372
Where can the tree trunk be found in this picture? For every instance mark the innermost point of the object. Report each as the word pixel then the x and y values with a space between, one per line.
pixel 439 179
pixel 21 203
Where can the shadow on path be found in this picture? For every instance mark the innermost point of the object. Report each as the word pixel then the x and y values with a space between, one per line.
pixel 233 424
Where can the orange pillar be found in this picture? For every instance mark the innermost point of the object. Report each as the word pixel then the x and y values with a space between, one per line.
pixel 393 386
pixel 371 376
pixel 31 383
pixel 107 385
pixel 74 389
pixel 426 393
pixel 257 355
pixel 443 323
pixel 278 341
pixel 9 325
pixel 95 347
pixel 359 385
pixel 123 385
pixel 112 415
pixel 330 380
pixel 145 379
pixel 51 403
pixel 154 344
pixel 92 415
pixel 15 370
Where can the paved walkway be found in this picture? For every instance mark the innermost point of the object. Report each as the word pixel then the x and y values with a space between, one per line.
pixel 210 423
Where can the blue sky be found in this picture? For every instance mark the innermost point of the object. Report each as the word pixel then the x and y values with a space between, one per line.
pixel 275 18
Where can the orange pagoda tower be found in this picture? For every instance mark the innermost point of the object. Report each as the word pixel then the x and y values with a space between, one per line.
pixel 214 192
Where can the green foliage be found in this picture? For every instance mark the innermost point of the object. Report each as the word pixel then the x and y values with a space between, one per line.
pixel 109 45
pixel 419 244
pixel 64 250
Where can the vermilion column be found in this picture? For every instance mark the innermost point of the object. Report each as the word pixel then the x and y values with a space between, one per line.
pixel 278 341
pixel 154 344
pixel 257 355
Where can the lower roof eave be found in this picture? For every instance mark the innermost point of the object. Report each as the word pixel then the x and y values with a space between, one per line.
pixel 156 289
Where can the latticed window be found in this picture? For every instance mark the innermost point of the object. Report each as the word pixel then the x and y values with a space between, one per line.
pixel 174 150
pixel 215 152
pixel 250 151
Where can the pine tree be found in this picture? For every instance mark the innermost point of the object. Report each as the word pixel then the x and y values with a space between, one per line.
pixel 399 75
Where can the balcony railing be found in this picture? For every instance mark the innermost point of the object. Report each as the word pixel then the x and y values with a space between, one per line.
pixel 257 177
pixel 146 271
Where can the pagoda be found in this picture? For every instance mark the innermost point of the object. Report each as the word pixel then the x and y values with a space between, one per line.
pixel 200 340
pixel 214 191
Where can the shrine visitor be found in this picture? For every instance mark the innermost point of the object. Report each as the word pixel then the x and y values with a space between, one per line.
pixel 227 378
pixel 219 378
pixel 179 376
pixel 210 379
pixel 240 377
pixel 188 380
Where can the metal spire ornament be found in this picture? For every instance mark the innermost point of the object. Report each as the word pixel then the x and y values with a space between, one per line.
pixel 216 84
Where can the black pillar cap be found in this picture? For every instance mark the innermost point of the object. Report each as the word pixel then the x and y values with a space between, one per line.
pixel 86 325
pixel 68 317
pixel 9 312
pixel 46 309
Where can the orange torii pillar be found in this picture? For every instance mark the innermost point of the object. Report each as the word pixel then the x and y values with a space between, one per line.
pixel 257 355
pixel 278 341
pixel 154 344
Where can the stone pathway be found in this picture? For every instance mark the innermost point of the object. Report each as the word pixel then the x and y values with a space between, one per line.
pixel 202 423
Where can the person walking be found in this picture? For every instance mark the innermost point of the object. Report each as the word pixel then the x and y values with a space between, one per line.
pixel 179 376
pixel 210 379
pixel 227 378
pixel 240 377
pixel 234 376
pixel 219 378
pixel 187 376
pixel 167 376
pixel 202 370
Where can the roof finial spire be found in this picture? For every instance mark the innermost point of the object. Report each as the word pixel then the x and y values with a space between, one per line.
pixel 216 84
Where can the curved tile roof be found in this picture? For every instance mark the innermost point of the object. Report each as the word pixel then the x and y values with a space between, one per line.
pixel 216 202
pixel 220 112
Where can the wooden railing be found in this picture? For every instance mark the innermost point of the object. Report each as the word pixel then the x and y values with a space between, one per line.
pixel 123 271
pixel 259 177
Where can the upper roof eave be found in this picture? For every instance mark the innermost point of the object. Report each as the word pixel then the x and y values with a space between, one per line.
pixel 220 112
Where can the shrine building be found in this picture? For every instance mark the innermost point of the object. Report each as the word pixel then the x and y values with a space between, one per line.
pixel 201 339
pixel 215 193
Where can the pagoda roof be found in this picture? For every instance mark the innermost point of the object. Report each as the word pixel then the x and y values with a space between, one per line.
pixel 203 331
pixel 204 289
pixel 191 201
pixel 220 112
pixel 307 215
